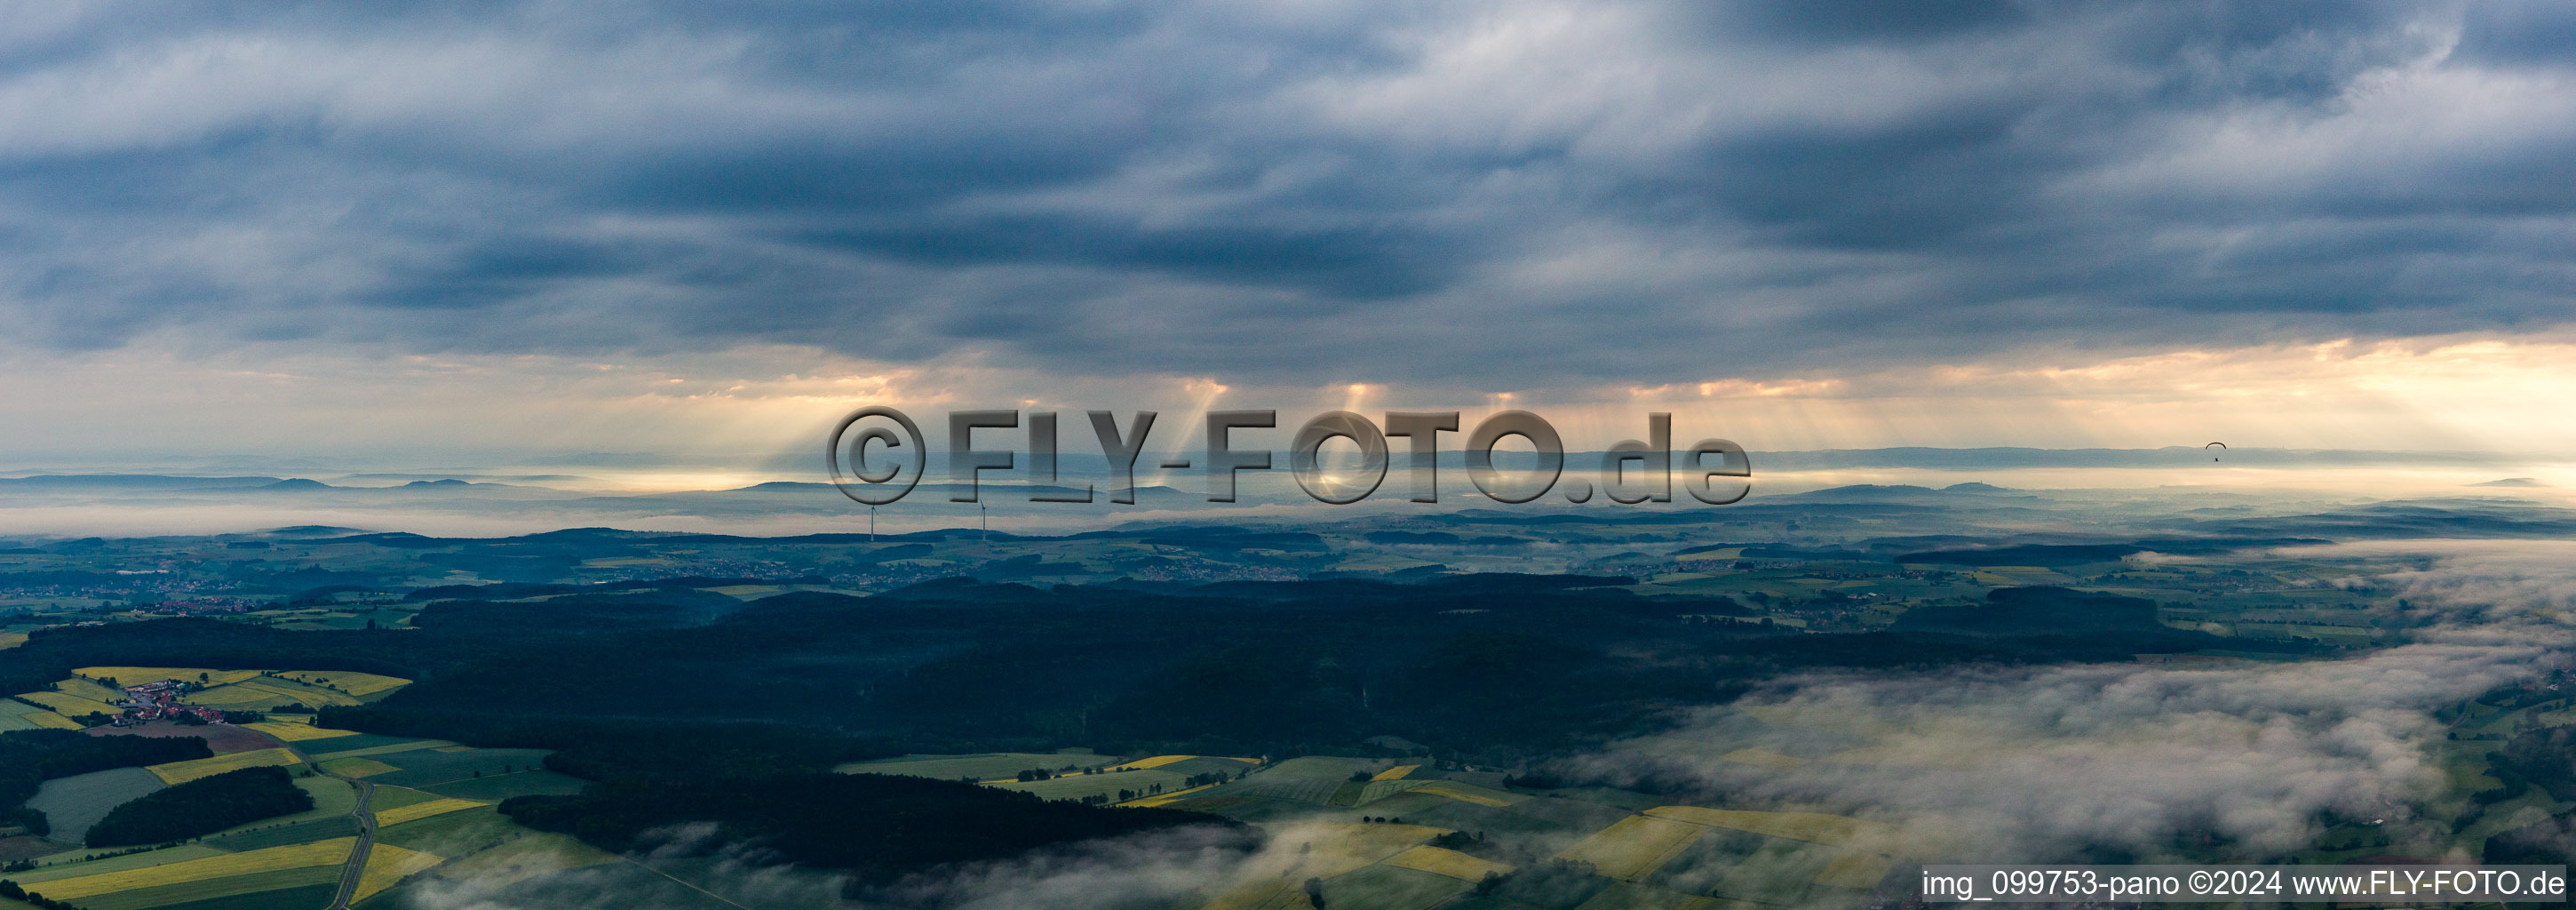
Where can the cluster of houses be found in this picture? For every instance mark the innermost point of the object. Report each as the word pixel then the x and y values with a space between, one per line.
pixel 160 701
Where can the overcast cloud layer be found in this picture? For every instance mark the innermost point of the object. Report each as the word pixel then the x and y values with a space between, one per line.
pixel 1276 192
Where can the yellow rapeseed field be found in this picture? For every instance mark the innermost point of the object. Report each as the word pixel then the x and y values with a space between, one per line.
pixel 1812 827
pixel 387 865
pixel 1634 847
pixel 70 705
pixel 437 745
pixel 295 732
pixel 278 690
pixel 1396 773
pixel 180 772
pixel 135 676
pixel 273 859
pixel 1451 863
pixel 1345 847
pixel 1165 798
pixel 1268 895
pixel 52 721
pixel 418 811
pixel 359 684
pixel 1161 760
pixel 1465 792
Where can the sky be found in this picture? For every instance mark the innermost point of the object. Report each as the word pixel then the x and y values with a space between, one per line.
pixel 389 236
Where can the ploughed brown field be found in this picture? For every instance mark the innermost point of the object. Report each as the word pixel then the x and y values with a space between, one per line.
pixel 225 739
pixel 13 849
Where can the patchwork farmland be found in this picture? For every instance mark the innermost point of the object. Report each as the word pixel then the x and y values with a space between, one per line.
pixel 433 809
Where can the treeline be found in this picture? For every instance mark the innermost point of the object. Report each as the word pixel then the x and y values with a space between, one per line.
pixel 879 826
pixel 202 806
pixel 10 890
pixel 28 758
pixel 606 749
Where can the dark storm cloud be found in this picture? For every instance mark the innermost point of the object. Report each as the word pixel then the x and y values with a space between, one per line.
pixel 1616 192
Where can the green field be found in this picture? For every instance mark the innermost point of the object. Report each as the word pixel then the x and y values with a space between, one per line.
pixel 75 803
pixel 13 716
pixel 279 835
pixel 1076 786
pixel 1383 887
pixel 268 692
pixel 281 889
pixel 493 788
pixel 357 767
pixel 331 799
pixel 128 862
pixel 429 767
pixel 367 744
pixel 363 745
pixel 452 833
pixel 302 898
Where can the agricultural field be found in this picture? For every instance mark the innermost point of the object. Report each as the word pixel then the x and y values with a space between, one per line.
pixel 295 732
pixel 224 739
pixel 1198 762
pixel 387 865
pixel 185 771
pixel 1746 866
pixel 1451 863
pixel 135 676
pixel 331 799
pixel 1386 887
pixel 13 716
pixel 70 705
pixel 283 889
pixel 325 751
pixel 267 693
pixel 359 685
pixel 357 767
pixel 90 883
pixel 1466 793
pixel 1078 786
pixel 73 804
pixel 1806 826
pixel 418 811
pixel 48 720
pixel 271 833
pixel 369 744
pixel 1340 848
pixel 76 867
pixel 515 854
pixel 90 690
pixel 493 788
pixel 1634 847
pixel 1629 896
pixel 431 768
pixel 450 833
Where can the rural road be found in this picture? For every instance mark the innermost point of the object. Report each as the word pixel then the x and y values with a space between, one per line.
pixel 357 865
